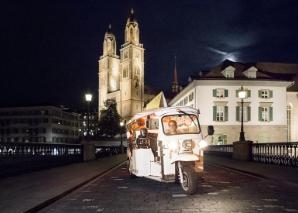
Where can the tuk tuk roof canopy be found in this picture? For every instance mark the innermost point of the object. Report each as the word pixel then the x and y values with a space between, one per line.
pixel 165 111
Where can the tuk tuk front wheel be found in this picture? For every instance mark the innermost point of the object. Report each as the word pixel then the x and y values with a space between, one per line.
pixel 190 180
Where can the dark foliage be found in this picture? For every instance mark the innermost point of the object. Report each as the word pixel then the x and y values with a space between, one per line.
pixel 109 121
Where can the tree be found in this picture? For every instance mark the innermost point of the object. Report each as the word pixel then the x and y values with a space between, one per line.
pixel 109 121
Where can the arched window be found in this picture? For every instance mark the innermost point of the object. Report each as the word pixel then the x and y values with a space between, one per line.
pixel 131 35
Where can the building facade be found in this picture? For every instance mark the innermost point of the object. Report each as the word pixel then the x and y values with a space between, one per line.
pixel 122 77
pixel 38 124
pixel 215 94
pixel 292 116
pixel 93 124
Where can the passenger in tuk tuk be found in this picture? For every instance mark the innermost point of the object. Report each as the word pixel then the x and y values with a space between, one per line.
pixel 143 140
pixel 137 126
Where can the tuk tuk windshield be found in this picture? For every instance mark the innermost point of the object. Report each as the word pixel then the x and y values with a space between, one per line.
pixel 180 124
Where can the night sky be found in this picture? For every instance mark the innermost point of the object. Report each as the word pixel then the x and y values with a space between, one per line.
pixel 50 48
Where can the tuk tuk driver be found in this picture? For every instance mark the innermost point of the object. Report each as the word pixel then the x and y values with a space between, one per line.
pixel 172 127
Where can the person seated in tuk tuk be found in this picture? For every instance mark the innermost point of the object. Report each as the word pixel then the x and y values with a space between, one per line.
pixel 143 140
pixel 172 127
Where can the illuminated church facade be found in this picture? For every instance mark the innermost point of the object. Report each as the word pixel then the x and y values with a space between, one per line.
pixel 122 77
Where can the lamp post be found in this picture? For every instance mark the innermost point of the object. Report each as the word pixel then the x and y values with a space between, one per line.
pixel 242 94
pixel 121 139
pixel 88 98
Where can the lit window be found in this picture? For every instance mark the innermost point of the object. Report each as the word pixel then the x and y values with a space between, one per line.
pixel 221 140
pixel 220 93
pixel 220 113
pixel 125 73
pixel 185 100
pixel 246 113
pixel 190 97
pixel 265 114
pixel 266 93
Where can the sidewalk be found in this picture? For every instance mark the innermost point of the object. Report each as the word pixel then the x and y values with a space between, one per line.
pixel 23 192
pixel 288 175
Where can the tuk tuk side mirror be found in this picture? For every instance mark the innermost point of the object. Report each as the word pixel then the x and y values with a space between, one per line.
pixel 210 130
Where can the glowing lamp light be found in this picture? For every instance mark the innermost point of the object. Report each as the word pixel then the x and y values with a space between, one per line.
pixel 88 97
pixel 242 93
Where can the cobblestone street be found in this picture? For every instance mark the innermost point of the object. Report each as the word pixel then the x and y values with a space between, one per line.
pixel 220 190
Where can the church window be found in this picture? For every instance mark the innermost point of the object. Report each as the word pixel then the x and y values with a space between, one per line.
pixel 125 73
pixel 131 34
pixel 137 71
pixel 125 54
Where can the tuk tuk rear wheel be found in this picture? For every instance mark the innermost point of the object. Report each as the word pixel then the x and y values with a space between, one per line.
pixel 190 180
pixel 129 172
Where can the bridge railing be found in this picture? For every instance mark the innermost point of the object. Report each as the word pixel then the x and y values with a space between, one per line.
pixel 18 158
pixel 274 153
pixel 103 151
pixel 223 150
pixel 39 149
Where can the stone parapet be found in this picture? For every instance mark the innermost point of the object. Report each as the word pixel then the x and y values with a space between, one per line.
pixel 242 150
pixel 88 150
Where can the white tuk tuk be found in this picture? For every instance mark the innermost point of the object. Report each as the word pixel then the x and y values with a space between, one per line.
pixel 167 145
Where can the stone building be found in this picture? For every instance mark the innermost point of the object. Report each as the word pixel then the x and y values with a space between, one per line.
pixel 38 124
pixel 122 77
pixel 215 94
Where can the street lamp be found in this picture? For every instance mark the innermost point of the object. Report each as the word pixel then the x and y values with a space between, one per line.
pixel 88 98
pixel 242 94
pixel 121 140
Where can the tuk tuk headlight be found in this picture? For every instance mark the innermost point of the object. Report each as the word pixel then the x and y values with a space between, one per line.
pixel 173 145
pixel 203 144
pixel 187 145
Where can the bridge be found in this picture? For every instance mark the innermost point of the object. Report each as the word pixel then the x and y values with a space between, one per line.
pixel 103 185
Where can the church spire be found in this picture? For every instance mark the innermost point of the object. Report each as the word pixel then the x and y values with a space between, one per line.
pixel 131 17
pixel 109 29
pixel 175 80
pixel 175 83
pixel 132 29
pixel 109 43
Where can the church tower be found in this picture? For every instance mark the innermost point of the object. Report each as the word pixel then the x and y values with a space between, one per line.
pixel 122 78
pixel 109 85
pixel 132 70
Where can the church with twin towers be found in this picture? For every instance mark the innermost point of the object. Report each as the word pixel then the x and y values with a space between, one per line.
pixel 121 77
